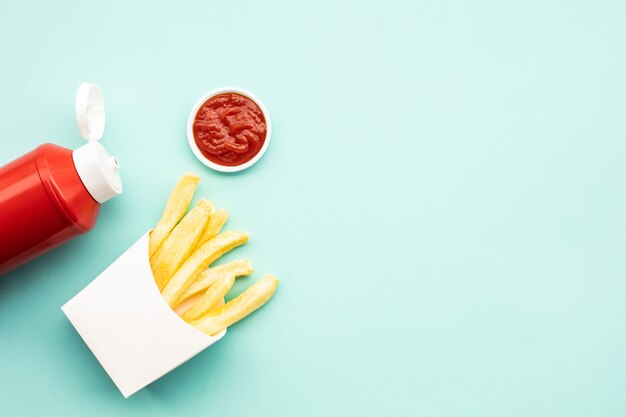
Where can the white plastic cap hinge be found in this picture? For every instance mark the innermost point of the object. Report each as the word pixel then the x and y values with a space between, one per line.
pixel 98 170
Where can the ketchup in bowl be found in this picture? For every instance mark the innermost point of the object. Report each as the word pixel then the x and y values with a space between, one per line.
pixel 229 129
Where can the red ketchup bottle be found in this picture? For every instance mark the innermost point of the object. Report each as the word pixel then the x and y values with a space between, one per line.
pixel 52 194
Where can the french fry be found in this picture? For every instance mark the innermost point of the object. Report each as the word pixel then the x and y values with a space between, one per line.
pixel 204 256
pixel 207 206
pixel 179 243
pixel 213 227
pixel 251 299
pixel 207 301
pixel 207 278
pixel 174 210
pixel 220 303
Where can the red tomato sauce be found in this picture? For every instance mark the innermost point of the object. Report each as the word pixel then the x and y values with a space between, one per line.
pixel 229 129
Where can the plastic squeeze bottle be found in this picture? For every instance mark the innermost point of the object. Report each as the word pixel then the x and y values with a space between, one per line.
pixel 52 194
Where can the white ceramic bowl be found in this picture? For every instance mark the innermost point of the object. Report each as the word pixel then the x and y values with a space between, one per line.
pixel 192 140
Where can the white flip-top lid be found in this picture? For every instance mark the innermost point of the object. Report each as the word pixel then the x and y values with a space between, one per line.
pixel 98 170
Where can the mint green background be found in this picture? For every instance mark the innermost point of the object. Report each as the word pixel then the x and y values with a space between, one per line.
pixel 444 201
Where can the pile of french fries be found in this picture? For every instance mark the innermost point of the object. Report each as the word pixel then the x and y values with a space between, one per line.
pixel 182 247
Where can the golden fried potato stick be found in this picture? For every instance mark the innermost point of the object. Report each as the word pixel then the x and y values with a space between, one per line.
pixel 175 209
pixel 207 301
pixel 204 256
pixel 251 299
pixel 213 227
pixel 206 204
pixel 236 269
pixel 218 304
pixel 179 243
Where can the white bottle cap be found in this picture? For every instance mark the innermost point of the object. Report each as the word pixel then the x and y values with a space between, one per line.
pixel 98 170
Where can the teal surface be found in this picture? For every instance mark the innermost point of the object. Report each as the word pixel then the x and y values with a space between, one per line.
pixel 444 201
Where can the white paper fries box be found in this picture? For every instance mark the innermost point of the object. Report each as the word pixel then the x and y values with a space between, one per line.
pixel 131 330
